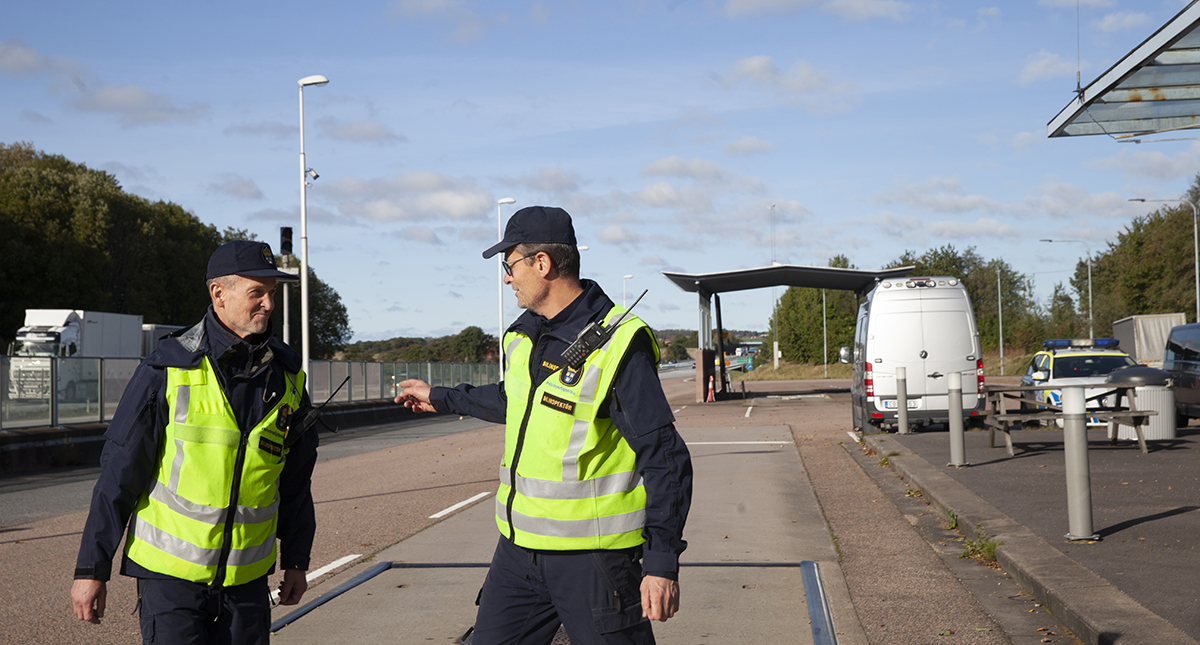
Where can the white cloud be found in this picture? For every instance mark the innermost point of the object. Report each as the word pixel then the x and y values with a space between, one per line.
pixel 468 25
pixel 32 116
pixel 1071 4
pixel 292 215
pixel 802 82
pixel 358 131
pixel 1123 20
pixel 618 235
pixel 1024 140
pixel 938 195
pixel 272 129
pixel 235 185
pixel 422 234
pixel 1153 164
pixel 988 12
pixel 135 106
pixel 412 196
pixel 849 9
pixel 654 260
pixel 547 180
pixel 1062 200
pixel 867 9
pixel 19 59
pixel 1043 65
pixel 698 169
pixel 660 194
pixel 747 146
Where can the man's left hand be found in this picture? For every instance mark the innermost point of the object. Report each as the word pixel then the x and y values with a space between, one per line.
pixel 660 598
pixel 293 586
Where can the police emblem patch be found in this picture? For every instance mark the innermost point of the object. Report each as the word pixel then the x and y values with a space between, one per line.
pixel 570 375
pixel 281 420
pixel 267 256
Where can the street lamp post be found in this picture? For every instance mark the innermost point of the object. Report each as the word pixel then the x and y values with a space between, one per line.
pixel 316 81
pixel 1091 313
pixel 1195 242
pixel 623 279
pixel 500 287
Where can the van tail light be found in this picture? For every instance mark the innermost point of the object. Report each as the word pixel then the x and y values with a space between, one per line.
pixel 869 380
pixel 979 373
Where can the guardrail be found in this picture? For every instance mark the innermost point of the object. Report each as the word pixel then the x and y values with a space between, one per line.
pixel 87 390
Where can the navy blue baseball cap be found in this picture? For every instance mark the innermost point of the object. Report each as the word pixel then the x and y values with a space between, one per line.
pixel 535 225
pixel 243 257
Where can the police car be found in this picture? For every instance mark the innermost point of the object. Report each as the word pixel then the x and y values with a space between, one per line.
pixel 1075 362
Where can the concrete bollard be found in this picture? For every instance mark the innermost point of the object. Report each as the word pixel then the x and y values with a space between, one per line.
pixel 1079 476
pixel 901 401
pixel 958 455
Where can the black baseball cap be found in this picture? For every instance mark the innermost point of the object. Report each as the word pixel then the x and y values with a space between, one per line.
pixel 535 225
pixel 243 257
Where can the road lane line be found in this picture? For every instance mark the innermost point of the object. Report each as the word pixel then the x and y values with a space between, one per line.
pixel 735 443
pixel 748 411
pixel 313 575
pixel 459 505
pixel 679 410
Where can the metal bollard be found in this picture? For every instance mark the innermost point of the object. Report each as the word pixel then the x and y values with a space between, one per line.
pixel 958 455
pixel 1079 476
pixel 901 401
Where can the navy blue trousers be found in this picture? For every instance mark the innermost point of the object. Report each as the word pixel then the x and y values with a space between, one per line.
pixel 178 612
pixel 595 595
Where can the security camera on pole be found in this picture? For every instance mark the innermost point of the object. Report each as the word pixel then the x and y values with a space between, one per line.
pixel 305 171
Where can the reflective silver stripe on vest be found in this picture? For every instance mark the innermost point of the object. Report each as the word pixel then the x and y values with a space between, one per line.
pixel 211 514
pixel 608 525
pixel 176 466
pixel 172 545
pixel 182 394
pixel 587 389
pixel 587 489
pixel 570 463
pixel 509 349
pixel 253 554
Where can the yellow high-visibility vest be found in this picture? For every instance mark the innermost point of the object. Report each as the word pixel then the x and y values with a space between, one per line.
pixel 211 512
pixel 576 483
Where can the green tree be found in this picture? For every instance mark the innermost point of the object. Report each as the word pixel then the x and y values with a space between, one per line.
pixel 809 322
pixel 676 352
pixel 471 344
pixel 328 322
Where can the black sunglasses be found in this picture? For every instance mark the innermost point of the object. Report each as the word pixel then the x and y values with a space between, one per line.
pixel 508 265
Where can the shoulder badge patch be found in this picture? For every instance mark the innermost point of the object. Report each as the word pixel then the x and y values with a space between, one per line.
pixel 555 403
pixel 569 375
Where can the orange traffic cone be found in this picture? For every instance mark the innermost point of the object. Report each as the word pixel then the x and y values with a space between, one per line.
pixel 711 398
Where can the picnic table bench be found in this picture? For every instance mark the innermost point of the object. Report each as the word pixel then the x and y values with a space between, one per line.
pixel 998 417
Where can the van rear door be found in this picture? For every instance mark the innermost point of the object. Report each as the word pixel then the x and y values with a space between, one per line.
pixel 949 340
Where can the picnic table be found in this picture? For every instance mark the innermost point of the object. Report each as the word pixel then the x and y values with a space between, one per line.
pixel 998 417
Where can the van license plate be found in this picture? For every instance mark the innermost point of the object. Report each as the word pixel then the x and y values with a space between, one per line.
pixel 893 404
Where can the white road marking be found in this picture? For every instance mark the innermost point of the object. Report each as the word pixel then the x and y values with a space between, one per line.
pixel 854 437
pixel 748 411
pixel 459 505
pixel 735 443
pixel 313 575
pixel 679 410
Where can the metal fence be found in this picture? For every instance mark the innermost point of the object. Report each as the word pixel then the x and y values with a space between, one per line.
pixel 86 390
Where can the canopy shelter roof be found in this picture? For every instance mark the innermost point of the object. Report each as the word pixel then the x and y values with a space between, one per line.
pixel 786 275
pixel 1154 88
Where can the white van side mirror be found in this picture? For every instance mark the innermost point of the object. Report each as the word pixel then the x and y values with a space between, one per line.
pixel 1040 376
pixel 844 355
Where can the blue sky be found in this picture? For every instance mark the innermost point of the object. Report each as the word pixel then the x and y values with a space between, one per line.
pixel 667 128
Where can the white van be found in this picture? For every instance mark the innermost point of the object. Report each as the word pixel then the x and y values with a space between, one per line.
pixel 925 325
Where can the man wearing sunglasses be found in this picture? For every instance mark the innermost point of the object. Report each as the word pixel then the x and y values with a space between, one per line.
pixel 595 483
pixel 203 463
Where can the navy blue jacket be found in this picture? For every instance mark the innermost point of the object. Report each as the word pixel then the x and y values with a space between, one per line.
pixel 251 376
pixel 636 405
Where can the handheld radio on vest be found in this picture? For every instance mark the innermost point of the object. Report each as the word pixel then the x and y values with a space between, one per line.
pixel 301 424
pixel 592 338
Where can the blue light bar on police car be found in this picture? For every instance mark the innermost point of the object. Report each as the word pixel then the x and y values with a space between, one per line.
pixel 1063 343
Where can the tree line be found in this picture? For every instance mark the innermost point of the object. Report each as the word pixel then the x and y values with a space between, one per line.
pixel 72 238
pixel 1148 269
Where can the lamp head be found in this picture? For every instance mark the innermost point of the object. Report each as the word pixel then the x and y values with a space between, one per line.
pixel 627 277
pixel 316 79
pixel 506 200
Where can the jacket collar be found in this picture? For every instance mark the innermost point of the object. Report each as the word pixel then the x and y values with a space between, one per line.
pixel 185 348
pixel 589 306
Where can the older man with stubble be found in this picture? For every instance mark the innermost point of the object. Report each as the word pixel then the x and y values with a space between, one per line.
pixel 204 469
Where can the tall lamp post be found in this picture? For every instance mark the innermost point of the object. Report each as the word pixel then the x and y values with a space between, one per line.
pixel 623 279
pixel 316 80
pixel 500 287
pixel 1195 242
pixel 1091 314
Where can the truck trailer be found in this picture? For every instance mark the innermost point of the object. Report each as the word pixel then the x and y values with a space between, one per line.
pixel 1145 337
pixel 69 333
